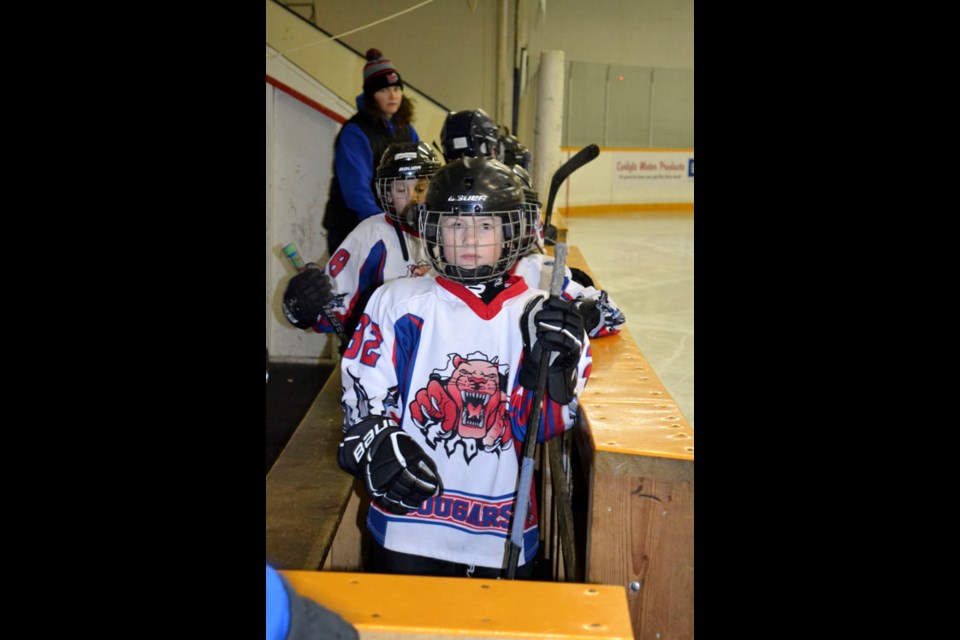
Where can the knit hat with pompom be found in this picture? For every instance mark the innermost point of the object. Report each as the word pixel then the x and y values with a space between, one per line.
pixel 379 73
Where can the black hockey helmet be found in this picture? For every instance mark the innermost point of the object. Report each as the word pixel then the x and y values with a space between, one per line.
pixel 406 161
pixel 469 133
pixel 463 195
pixel 514 152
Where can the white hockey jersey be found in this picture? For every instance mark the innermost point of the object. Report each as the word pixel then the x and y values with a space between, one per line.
pixel 430 354
pixel 369 256
pixel 536 269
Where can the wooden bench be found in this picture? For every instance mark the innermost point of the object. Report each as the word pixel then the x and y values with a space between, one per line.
pixel 307 493
pixel 637 448
pixel 392 606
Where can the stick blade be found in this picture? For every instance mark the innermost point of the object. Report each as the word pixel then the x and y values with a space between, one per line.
pixel 580 158
pixel 588 154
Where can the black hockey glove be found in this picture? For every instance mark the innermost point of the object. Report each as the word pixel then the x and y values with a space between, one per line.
pixel 556 325
pixel 398 473
pixel 306 295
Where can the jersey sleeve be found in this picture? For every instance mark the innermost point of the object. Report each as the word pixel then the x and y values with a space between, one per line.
pixel 355 270
pixel 555 418
pixel 367 373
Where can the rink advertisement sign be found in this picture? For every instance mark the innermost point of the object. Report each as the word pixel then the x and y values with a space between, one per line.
pixel 647 166
pixel 643 175
pixel 631 176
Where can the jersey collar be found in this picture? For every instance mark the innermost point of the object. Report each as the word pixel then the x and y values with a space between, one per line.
pixel 517 285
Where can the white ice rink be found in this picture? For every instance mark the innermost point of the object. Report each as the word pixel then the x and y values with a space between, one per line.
pixel 645 261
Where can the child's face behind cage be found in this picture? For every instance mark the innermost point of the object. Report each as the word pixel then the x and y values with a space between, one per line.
pixel 405 192
pixel 471 241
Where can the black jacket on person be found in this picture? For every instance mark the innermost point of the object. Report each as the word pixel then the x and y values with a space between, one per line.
pixel 339 219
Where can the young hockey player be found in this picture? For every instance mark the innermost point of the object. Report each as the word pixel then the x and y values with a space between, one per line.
pixel 379 249
pixel 439 378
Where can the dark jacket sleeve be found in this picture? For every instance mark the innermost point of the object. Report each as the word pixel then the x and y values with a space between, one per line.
pixel 353 160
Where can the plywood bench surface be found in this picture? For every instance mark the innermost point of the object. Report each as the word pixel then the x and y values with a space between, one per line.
pixel 306 490
pixel 628 409
pixel 472 607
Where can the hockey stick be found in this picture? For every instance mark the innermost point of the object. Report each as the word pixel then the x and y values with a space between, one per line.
pixel 580 158
pixel 290 250
pixel 522 504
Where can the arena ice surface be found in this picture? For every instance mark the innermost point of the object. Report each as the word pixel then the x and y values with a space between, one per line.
pixel 646 261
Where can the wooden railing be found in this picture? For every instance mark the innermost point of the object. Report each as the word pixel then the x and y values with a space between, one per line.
pixel 391 606
pixel 637 450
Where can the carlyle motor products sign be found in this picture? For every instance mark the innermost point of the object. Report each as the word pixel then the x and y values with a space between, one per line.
pixel 632 176
pixel 642 169
pixel 651 175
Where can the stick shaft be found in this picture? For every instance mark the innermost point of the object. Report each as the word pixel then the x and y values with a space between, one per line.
pixel 525 481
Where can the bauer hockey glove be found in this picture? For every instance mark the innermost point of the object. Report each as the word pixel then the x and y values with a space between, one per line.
pixel 307 294
pixel 556 325
pixel 398 473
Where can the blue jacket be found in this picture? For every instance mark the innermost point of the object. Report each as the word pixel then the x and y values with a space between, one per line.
pixel 357 152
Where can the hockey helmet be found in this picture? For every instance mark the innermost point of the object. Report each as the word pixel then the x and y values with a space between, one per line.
pixel 472 220
pixel 469 133
pixel 514 152
pixel 404 161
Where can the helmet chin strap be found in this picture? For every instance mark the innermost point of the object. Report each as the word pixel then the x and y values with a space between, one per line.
pixel 403 244
pixel 477 274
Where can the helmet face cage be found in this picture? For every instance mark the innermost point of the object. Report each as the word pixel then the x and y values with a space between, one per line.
pixel 533 240
pixel 469 246
pixel 531 208
pixel 472 220
pixel 397 193
pixel 402 177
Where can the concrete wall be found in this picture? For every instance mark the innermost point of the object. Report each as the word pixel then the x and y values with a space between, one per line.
pixel 450 50
pixel 651 33
pixel 443 48
pixel 336 67
pixel 299 141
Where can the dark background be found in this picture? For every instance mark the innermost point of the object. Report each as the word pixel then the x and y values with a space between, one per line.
pixel 291 390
